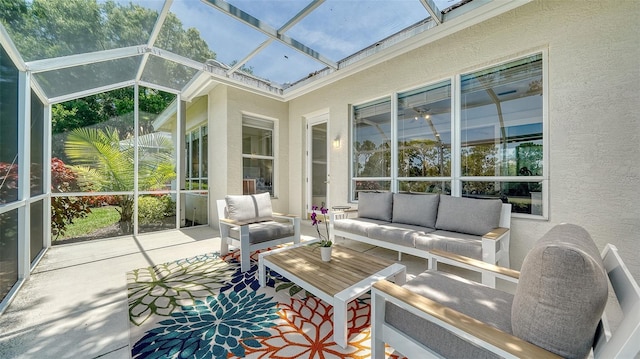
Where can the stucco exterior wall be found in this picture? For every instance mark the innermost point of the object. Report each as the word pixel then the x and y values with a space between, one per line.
pixel 593 118
pixel 226 107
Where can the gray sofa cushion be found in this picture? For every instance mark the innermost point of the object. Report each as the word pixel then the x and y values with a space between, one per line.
pixel 468 245
pixel 417 209
pixel 265 231
pixel 468 215
pixel 358 226
pixel 561 293
pixel 248 207
pixel 398 233
pixel 375 205
pixel 465 296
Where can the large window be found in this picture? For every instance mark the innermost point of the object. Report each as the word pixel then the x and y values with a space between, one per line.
pixel 424 139
pixel 492 147
pixel 501 134
pixel 258 158
pixel 371 163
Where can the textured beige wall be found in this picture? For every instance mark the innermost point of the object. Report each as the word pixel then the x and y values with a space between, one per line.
pixel 594 121
pixel 226 107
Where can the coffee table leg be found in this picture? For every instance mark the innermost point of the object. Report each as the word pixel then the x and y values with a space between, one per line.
pixel 340 322
pixel 261 274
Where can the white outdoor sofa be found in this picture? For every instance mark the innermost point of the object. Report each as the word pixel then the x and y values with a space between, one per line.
pixel 417 223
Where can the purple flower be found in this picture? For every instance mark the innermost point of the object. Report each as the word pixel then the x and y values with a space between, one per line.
pixel 324 239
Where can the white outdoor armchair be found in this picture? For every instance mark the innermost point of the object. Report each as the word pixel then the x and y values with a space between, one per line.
pixel 558 309
pixel 248 223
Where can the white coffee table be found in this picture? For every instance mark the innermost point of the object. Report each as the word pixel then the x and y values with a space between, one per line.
pixel 347 276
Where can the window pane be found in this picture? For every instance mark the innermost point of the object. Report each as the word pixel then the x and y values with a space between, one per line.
pixel 8 251
pixel 257 141
pixel 36 229
pixel 195 155
pixel 37 145
pixel 75 219
pixel 260 170
pixel 525 197
pixel 501 123
pixel 371 186
pixel 95 133
pixel 443 187
pixel 196 209
pixel 156 150
pixel 8 130
pixel 205 152
pixel 424 132
pixel 372 139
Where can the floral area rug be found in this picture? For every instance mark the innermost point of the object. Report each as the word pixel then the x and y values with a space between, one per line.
pixel 204 307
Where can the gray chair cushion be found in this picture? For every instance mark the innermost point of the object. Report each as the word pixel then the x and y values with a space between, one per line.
pixel 265 231
pixel 468 215
pixel 561 293
pixel 483 303
pixel 468 245
pixel 398 233
pixel 375 205
pixel 417 209
pixel 248 207
pixel 358 226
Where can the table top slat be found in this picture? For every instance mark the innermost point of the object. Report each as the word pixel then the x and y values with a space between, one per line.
pixel 346 268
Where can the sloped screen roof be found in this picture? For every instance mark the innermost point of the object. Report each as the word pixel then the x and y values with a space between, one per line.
pixel 74 47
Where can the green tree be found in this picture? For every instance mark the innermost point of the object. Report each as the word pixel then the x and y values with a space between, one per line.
pixel 423 158
pixel 106 163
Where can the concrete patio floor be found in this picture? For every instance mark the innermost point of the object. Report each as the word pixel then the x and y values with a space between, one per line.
pixel 75 303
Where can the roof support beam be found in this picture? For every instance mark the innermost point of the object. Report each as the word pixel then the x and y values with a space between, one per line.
pixel 432 8
pixel 10 48
pixel 294 20
pixel 63 62
pixel 154 35
pixel 269 31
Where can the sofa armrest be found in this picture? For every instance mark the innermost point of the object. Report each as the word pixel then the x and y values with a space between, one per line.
pixel 462 325
pixel 439 256
pixel 495 247
pixel 496 233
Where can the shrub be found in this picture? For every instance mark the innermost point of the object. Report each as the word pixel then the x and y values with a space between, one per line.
pixel 65 209
pixel 150 209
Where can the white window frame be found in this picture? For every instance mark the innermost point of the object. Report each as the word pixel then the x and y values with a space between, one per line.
pixel 274 128
pixel 456 150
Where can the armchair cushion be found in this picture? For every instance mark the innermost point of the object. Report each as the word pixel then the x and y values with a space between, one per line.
pixel 562 281
pixel 265 231
pixel 375 205
pixel 473 299
pixel 416 209
pixel 249 207
pixel 468 215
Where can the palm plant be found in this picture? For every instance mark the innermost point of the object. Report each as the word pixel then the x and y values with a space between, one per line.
pixel 105 163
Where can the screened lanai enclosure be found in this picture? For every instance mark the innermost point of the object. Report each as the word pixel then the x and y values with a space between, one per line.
pixel 95 135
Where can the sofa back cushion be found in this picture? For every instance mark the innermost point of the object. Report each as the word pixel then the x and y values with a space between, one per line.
pixel 561 293
pixel 249 207
pixel 417 209
pixel 468 215
pixel 375 205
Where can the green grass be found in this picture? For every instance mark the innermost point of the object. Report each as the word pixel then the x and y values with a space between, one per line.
pixel 100 217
